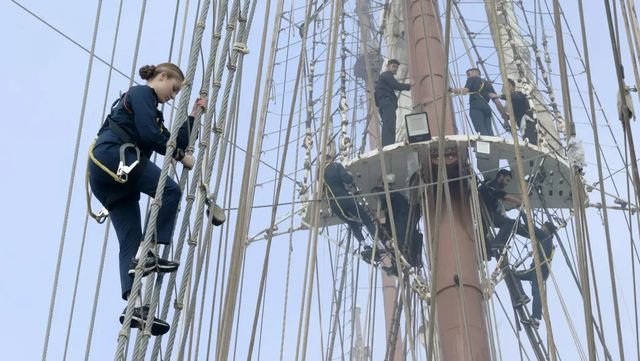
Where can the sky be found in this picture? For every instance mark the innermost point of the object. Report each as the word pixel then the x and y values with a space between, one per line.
pixel 44 95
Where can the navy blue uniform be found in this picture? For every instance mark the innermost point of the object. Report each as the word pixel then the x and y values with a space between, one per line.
pixel 137 119
pixel 387 103
pixel 492 196
pixel 342 202
pixel 520 109
pixel 545 251
pixel 406 220
pixel 479 109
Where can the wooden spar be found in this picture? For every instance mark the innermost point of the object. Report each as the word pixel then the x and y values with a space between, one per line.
pixel 389 287
pixel 461 324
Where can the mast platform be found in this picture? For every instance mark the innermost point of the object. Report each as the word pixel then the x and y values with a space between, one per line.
pixel 546 168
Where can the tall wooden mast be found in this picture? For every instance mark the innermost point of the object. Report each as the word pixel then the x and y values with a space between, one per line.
pixel 458 297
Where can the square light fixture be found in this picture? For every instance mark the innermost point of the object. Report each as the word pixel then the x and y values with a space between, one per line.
pixel 417 127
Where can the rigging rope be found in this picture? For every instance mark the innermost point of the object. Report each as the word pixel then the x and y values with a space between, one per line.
pixel 240 231
pixel 74 163
pixel 523 186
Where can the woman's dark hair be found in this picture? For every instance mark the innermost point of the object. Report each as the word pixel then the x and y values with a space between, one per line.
pixel 149 72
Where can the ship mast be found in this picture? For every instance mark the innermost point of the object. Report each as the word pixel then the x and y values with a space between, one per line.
pixel 458 297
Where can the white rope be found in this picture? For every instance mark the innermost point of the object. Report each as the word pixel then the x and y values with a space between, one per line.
pixel 74 163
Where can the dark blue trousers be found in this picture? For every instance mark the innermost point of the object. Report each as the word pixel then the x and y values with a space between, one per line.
pixel 350 211
pixel 536 303
pixel 506 226
pixel 387 112
pixel 481 118
pixel 124 210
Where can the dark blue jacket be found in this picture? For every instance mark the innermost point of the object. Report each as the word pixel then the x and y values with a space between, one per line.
pixel 336 177
pixel 138 116
pixel 385 89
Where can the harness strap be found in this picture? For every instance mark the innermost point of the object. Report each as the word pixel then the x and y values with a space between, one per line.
pixel 119 131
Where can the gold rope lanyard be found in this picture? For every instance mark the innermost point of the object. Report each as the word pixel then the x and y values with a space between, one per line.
pixel 332 196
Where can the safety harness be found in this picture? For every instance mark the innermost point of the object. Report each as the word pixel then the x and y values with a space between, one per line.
pixel 121 175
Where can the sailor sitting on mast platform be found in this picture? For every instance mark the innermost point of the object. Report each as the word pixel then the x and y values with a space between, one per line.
pixel 342 201
pixel 387 100
pixel 480 92
pixel 493 195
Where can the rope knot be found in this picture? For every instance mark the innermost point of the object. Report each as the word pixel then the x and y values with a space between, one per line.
pixel 200 24
pixel 178 305
pixel 217 35
pixel 191 197
pixel 188 83
pixel 217 129
pixel 192 242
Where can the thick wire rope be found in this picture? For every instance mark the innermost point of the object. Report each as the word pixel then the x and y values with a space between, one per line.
pixel 308 75
pixel 108 223
pixel 88 51
pixel 75 287
pixel 70 187
pixel 586 294
pixel 203 146
pixel 326 120
pixel 182 182
pixel 224 335
pixel 152 219
pixel 289 255
pixel 197 181
pixel 151 291
pixel 222 248
pixel 237 61
pixel 520 168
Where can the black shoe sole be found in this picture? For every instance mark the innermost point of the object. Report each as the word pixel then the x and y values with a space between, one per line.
pixel 158 327
pixel 167 269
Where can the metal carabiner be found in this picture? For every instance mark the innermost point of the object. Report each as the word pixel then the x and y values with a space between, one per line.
pixel 123 169
pixel 102 216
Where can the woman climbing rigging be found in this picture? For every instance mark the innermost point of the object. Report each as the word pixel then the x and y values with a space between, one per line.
pixel 120 169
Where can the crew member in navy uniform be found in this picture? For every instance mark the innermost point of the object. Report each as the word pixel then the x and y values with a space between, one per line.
pixel 480 93
pixel 544 237
pixel 493 194
pixel 387 100
pixel 522 112
pixel 342 201
pixel 120 170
